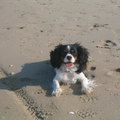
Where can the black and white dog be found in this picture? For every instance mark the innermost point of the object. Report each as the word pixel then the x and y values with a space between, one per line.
pixel 69 62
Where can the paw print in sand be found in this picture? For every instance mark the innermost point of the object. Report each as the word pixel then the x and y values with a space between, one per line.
pixel 85 113
pixel 114 72
pixel 108 44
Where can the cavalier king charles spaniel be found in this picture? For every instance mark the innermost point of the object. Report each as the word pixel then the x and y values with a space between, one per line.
pixel 69 61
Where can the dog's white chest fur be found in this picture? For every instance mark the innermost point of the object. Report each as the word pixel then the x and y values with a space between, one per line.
pixel 66 75
pixel 67 78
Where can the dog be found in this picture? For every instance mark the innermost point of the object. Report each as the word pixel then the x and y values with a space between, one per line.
pixel 69 62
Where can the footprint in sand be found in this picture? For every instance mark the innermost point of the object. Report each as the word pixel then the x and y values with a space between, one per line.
pixel 118 50
pixel 85 113
pixel 117 84
pixel 115 53
pixel 114 72
pixel 86 99
pixel 13 28
pixel 97 26
pixel 118 42
pixel 108 44
pixel 93 68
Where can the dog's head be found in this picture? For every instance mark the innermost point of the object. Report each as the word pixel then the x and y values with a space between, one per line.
pixel 69 55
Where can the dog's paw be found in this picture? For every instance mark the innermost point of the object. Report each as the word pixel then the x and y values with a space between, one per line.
pixel 88 88
pixel 57 92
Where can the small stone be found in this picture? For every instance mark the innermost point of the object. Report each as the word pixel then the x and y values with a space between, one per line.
pixel 71 113
pixel 12 73
pixel 51 113
pixel 11 66
pixel 40 51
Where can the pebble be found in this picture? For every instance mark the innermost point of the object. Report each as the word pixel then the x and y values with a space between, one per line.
pixel 71 113
pixel 40 51
pixel 12 73
pixel 10 65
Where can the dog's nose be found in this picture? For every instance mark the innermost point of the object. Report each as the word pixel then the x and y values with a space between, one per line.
pixel 69 57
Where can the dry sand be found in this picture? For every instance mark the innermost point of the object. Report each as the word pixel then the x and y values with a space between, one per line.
pixel 30 29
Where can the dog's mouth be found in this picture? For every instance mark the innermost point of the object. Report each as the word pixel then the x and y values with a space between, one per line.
pixel 69 64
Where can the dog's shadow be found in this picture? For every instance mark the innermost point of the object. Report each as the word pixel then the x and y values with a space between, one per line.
pixel 76 89
pixel 36 74
pixel 32 74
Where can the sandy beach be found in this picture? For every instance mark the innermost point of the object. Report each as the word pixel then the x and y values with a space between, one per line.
pixel 29 30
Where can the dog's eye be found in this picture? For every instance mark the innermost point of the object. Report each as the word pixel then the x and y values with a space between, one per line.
pixel 66 51
pixel 72 51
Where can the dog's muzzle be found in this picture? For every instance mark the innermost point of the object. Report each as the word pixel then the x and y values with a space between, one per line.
pixel 69 60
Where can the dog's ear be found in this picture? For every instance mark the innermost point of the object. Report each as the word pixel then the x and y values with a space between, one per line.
pixel 82 57
pixel 55 56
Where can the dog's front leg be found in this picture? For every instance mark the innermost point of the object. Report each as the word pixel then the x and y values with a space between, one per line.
pixel 86 84
pixel 56 88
